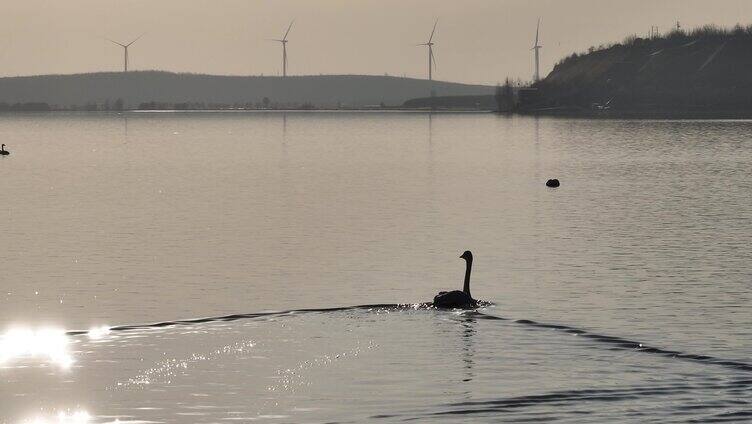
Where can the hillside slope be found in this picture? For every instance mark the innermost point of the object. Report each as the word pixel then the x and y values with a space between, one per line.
pixel 707 70
pixel 138 87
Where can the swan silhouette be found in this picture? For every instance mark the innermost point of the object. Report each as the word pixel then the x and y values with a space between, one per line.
pixel 460 299
pixel 3 152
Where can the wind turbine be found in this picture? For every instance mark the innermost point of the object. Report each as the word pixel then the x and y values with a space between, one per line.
pixel 284 49
pixel 431 59
pixel 536 47
pixel 125 48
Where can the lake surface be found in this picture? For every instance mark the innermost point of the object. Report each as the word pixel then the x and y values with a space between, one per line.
pixel 625 295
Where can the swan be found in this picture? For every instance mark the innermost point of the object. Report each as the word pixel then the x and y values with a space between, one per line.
pixel 3 151
pixel 458 299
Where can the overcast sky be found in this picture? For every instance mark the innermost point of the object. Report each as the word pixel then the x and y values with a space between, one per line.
pixel 477 41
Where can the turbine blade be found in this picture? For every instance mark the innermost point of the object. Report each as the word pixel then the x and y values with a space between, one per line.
pixel 288 30
pixel 433 30
pixel 433 59
pixel 537 28
pixel 115 42
pixel 137 38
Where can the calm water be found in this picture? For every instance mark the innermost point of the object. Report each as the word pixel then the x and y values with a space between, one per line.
pixel 622 296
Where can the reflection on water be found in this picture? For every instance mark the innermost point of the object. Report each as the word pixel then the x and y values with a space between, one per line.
pixel 468 350
pixel 62 417
pixel 50 345
pixel 97 333
pixel 163 371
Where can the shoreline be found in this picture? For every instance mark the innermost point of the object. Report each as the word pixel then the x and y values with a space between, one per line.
pixel 551 113
pixel 637 115
pixel 323 110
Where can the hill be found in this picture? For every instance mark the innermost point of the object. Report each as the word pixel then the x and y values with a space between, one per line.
pixel 135 88
pixel 706 71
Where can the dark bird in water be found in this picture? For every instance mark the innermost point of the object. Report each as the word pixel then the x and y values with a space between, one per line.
pixel 458 299
pixel 552 183
pixel 4 152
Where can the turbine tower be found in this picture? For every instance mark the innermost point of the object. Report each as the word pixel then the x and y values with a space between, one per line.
pixel 284 49
pixel 125 51
pixel 431 59
pixel 536 48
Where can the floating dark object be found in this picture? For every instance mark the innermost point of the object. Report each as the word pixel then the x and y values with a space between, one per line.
pixel 552 183
pixel 3 152
pixel 459 299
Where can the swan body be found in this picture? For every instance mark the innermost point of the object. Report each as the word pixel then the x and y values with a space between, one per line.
pixel 455 299
pixel 4 152
pixel 458 299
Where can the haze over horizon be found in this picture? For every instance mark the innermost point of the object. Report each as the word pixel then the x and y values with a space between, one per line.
pixel 477 42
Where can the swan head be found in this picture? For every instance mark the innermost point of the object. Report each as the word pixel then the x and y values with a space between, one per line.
pixel 468 256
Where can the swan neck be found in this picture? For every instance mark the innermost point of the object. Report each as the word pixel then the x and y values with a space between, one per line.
pixel 466 287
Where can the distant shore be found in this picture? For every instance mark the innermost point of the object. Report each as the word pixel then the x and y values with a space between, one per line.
pixel 696 74
pixel 638 114
pixel 106 91
pixel 551 113
pixel 138 111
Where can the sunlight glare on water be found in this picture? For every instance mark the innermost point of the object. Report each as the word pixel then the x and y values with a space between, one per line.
pixel 99 332
pixel 62 417
pixel 45 344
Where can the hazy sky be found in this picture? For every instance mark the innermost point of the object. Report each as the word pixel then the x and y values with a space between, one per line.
pixel 477 41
